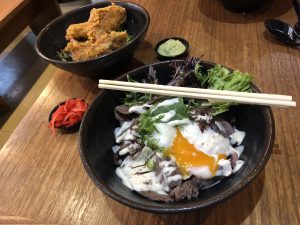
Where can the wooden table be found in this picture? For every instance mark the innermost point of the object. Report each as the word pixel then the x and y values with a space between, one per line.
pixel 42 180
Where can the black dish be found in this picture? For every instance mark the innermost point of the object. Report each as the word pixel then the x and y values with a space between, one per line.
pixel 183 41
pixel 64 129
pixel 52 39
pixel 283 31
pixel 97 137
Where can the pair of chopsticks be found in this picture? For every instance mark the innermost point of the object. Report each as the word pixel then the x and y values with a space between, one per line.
pixel 199 93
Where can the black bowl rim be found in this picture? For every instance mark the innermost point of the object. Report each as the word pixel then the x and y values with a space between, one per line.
pixel 165 209
pixel 184 41
pixel 61 17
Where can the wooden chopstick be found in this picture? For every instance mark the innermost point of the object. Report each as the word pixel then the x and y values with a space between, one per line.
pixel 197 90
pixel 280 100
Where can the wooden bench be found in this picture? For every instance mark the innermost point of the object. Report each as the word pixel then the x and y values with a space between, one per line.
pixel 15 15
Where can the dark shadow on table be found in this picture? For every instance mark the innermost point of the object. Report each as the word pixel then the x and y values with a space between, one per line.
pixel 86 83
pixel 270 9
pixel 232 211
pixel 133 64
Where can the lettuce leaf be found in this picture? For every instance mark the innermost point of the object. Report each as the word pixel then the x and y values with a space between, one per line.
pixel 220 78
pixel 179 107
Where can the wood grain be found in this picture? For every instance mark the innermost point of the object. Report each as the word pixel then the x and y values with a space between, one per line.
pixel 10 8
pixel 41 176
pixel 15 15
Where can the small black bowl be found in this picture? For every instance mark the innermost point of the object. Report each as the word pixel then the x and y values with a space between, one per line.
pixel 64 129
pixel 96 138
pixel 183 41
pixel 52 39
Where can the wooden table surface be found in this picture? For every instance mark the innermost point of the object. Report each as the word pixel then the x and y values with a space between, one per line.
pixel 42 180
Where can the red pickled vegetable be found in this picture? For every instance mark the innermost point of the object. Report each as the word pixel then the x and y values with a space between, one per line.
pixel 68 114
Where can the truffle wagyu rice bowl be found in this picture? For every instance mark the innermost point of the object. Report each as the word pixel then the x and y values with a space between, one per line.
pixel 168 154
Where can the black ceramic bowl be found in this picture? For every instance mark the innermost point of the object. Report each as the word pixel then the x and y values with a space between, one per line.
pixel 97 138
pixel 52 39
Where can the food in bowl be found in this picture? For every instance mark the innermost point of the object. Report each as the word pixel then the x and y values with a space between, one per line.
pixel 67 114
pixel 171 48
pixel 168 149
pixel 96 138
pixel 51 40
pixel 98 36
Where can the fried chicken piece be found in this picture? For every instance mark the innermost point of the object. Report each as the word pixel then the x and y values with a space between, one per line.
pixel 101 20
pixel 109 18
pixel 104 44
pixel 78 31
pixel 98 35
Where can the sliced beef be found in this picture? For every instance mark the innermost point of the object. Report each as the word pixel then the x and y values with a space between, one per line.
pixel 200 111
pixel 118 159
pixel 159 170
pixel 155 99
pixel 233 159
pixel 134 123
pixel 215 128
pixel 156 197
pixel 174 184
pixel 133 148
pixel 184 190
pixel 122 109
pixel 227 130
pixel 187 189
pixel 197 115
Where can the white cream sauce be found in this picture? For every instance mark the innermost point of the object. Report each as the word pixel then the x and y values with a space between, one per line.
pixel 124 133
pixel 201 172
pixel 139 109
pixel 238 166
pixel 210 142
pixel 237 137
pixel 225 168
pixel 167 116
pixel 205 118
pixel 167 102
pixel 136 176
pixel 120 130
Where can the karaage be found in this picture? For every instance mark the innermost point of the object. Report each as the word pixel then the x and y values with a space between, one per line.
pixel 97 36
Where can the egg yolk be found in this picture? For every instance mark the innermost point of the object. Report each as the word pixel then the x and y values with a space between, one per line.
pixel 187 156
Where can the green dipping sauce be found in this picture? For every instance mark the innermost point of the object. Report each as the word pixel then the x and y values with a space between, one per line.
pixel 171 48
